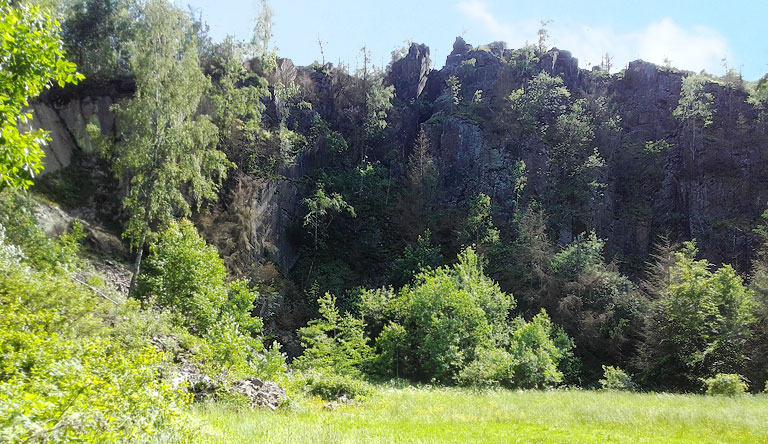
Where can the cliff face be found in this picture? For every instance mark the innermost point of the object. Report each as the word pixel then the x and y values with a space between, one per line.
pixel 713 191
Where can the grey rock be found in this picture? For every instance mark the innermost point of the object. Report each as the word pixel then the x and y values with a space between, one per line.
pixel 409 74
pixel 261 393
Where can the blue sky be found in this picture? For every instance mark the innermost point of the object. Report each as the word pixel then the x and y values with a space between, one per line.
pixel 693 35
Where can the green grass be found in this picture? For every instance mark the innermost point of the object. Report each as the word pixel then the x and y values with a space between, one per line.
pixel 462 416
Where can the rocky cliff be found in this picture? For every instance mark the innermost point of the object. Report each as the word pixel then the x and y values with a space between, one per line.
pixel 714 192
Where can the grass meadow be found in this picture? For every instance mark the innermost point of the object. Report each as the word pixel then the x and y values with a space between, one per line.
pixel 442 415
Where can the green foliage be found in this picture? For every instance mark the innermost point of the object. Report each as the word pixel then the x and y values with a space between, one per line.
pixel 74 367
pixel 729 384
pixel 530 360
pixel 449 313
pixel 235 101
pixel 573 167
pixel 582 253
pixel 33 57
pixel 392 344
pixel 165 153
pixel 478 226
pixel 694 109
pixel 262 31
pixel 18 217
pixel 539 102
pixel 331 386
pixel 327 139
pixel 186 276
pixel 700 322
pixel 452 326
pixel 334 343
pixel 378 101
pixel 656 147
pixel 615 378
pixel 454 91
pixel 321 205
pixel 524 61
pixel 416 258
pixel 695 104
pixel 95 34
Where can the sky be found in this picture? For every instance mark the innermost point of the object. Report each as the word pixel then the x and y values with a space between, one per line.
pixel 692 35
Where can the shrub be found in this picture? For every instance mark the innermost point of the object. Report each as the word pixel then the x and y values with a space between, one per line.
pixel 186 276
pixel 766 387
pixel 392 343
pixel 332 386
pixel 71 370
pixel 450 313
pixel 452 326
pixel 537 348
pixel 530 360
pixel 615 378
pixel 17 215
pixel 333 342
pixel 729 384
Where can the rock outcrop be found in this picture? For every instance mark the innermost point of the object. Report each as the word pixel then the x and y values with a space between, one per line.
pixel 261 393
pixel 714 192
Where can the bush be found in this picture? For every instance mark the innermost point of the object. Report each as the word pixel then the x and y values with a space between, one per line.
pixel 332 386
pixel 766 387
pixel 537 347
pixel 450 313
pixel 72 369
pixel 452 326
pixel 615 378
pixel 186 277
pixel 17 215
pixel 334 343
pixel 729 384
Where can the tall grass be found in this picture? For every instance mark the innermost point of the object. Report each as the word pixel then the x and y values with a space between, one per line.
pixel 413 415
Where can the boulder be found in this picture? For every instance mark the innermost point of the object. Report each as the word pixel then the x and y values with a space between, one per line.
pixel 261 393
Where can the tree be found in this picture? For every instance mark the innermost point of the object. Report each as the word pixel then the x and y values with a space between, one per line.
pixel 543 33
pixel 95 34
pixel 31 58
pixel 235 102
pixel 416 207
pixel 539 102
pixel 699 325
pixel 334 342
pixel 478 228
pixel 262 31
pixel 165 153
pixel 454 91
pixel 415 259
pixel 185 276
pixel 320 205
pixel 694 109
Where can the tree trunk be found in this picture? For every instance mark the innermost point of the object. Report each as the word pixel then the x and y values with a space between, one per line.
pixel 136 267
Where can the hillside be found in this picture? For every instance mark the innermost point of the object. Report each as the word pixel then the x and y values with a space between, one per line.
pixel 212 223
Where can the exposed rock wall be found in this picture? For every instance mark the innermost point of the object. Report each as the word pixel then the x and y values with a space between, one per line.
pixel 714 192
pixel 67 126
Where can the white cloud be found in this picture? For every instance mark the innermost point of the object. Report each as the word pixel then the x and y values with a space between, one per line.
pixel 692 48
pixel 515 34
